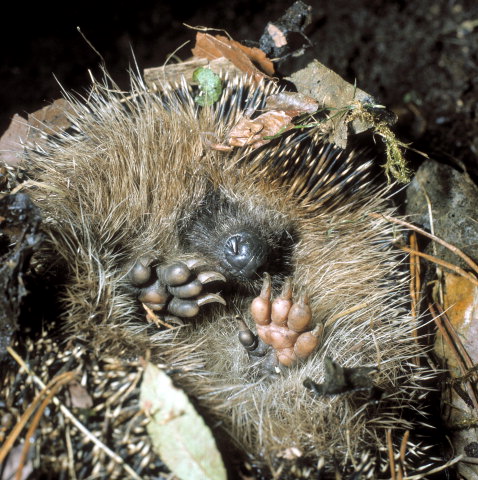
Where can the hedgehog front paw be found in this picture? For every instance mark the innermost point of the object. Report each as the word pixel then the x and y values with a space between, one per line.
pixel 284 324
pixel 173 289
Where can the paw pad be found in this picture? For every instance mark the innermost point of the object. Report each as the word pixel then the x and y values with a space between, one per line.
pixel 284 324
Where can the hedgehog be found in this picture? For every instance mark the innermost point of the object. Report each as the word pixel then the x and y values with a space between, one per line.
pixel 276 298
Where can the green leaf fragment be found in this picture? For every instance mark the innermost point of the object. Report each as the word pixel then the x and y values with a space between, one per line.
pixel 210 86
pixel 178 433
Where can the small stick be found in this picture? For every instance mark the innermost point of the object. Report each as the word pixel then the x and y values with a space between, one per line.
pixel 450 247
pixel 390 454
pixel 442 263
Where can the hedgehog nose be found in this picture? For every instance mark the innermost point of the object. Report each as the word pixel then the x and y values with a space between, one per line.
pixel 245 253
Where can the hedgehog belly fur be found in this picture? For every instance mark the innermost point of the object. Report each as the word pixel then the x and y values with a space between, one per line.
pixel 137 176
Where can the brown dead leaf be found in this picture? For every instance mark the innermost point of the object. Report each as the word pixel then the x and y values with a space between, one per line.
pixel 461 306
pixel 51 119
pixel 334 93
pixel 280 109
pixel 254 132
pixel 456 343
pixel 12 139
pixel 245 58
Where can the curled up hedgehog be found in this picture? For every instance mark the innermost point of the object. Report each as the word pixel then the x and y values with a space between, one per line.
pixel 279 301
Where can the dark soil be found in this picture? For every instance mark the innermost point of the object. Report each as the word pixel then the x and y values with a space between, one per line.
pixel 417 57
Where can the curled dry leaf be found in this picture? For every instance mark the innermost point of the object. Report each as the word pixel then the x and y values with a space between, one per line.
pixel 245 58
pixel 51 119
pixel 461 305
pixel 178 433
pixel 255 132
pixel 280 109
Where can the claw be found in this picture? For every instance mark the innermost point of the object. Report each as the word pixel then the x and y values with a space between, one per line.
pixel 282 304
pixel 207 277
pixel 154 306
pixel 192 263
pixel 210 298
pixel 174 319
pixel 300 315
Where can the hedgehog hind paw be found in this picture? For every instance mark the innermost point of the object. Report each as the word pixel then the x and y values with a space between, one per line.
pixel 285 324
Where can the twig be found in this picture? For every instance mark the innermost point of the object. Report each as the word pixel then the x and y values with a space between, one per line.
pixel 403 449
pixel 450 247
pixel 391 455
pixel 442 263
pixel 415 285
pixel 7 446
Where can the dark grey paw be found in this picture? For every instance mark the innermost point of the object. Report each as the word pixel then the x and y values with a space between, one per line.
pixel 176 289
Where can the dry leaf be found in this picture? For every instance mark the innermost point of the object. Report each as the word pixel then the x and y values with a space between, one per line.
pixel 244 58
pixel 280 109
pixel 51 119
pixel 178 433
pixel 12 139
pixel 254 133
pixel 461 306
pixel 333 93
pixel 459 396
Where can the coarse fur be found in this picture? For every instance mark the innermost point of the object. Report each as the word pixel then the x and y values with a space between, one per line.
pixel 137 175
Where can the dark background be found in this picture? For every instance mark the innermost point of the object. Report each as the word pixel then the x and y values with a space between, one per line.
pixel 418 57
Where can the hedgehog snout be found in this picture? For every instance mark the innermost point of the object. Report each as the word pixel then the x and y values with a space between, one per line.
pixel 244 253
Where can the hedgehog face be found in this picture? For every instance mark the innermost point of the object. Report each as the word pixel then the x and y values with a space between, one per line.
pixel 240 239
